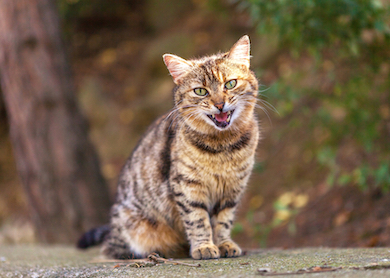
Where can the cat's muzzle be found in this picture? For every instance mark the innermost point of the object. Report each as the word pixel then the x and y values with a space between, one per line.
pixel 222 119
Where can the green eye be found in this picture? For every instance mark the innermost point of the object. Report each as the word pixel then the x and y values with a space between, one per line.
pixel 231 84
pixel 201 92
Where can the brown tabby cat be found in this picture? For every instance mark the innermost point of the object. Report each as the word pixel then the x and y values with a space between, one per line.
pixel 181 186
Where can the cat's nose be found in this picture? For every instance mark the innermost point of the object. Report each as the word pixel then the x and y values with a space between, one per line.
pixel 219 106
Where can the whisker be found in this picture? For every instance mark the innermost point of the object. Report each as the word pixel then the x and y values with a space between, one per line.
pixel 264 90
pixel 266 103
pixel 269 105
pixel 180 107
pixel 192 115
pixel 173 121
pixel 264 109
pixel 178 114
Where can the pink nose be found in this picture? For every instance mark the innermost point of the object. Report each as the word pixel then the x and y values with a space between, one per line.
pixel 219 105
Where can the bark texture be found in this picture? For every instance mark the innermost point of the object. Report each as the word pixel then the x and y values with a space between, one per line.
pixel 57 163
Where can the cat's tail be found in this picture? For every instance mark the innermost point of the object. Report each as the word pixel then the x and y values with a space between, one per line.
pixel 93 237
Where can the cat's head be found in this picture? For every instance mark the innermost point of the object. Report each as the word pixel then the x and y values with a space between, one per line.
pixel 215 93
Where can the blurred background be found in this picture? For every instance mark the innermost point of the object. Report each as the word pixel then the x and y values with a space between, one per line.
pixel 322 176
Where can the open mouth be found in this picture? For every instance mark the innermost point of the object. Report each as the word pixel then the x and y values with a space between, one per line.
pixel 222 119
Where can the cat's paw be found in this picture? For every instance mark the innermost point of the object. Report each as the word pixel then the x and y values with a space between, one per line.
pixel 229 249
pixel 205 252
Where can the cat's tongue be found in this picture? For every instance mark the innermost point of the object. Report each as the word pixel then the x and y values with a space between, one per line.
pixel 221 117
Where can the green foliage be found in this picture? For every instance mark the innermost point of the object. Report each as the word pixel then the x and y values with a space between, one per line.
pixel 365 174
pixel 353 114
pixel 318 23
pixel 353 37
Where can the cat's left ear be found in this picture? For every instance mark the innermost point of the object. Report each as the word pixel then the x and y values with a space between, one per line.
pixel 177 66
pixel 241 51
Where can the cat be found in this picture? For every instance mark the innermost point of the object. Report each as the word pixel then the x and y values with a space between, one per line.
pixel 178 191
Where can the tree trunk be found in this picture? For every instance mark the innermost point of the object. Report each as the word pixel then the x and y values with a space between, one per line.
pixel 57 164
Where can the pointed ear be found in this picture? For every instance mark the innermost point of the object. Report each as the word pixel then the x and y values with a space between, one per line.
pixel 177 66
pixel 241 51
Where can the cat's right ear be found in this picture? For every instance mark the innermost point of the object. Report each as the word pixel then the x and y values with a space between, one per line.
pixel 177 66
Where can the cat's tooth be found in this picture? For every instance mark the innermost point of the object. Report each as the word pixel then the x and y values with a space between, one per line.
pixel 228 118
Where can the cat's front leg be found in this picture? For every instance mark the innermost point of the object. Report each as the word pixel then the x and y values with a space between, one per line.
pixel 222 222
pixel 197 225
pixel 199 233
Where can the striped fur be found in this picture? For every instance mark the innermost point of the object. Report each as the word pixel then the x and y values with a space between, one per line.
pixel 180 188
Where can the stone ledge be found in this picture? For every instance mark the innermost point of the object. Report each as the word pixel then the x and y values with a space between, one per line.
pixel 66 261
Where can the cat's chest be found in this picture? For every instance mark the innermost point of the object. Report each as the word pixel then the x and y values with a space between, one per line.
pixel 220 174
pixel 222 165
pixel 223 159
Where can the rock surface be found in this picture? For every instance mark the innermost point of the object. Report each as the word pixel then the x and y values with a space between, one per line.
pixel 65 261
